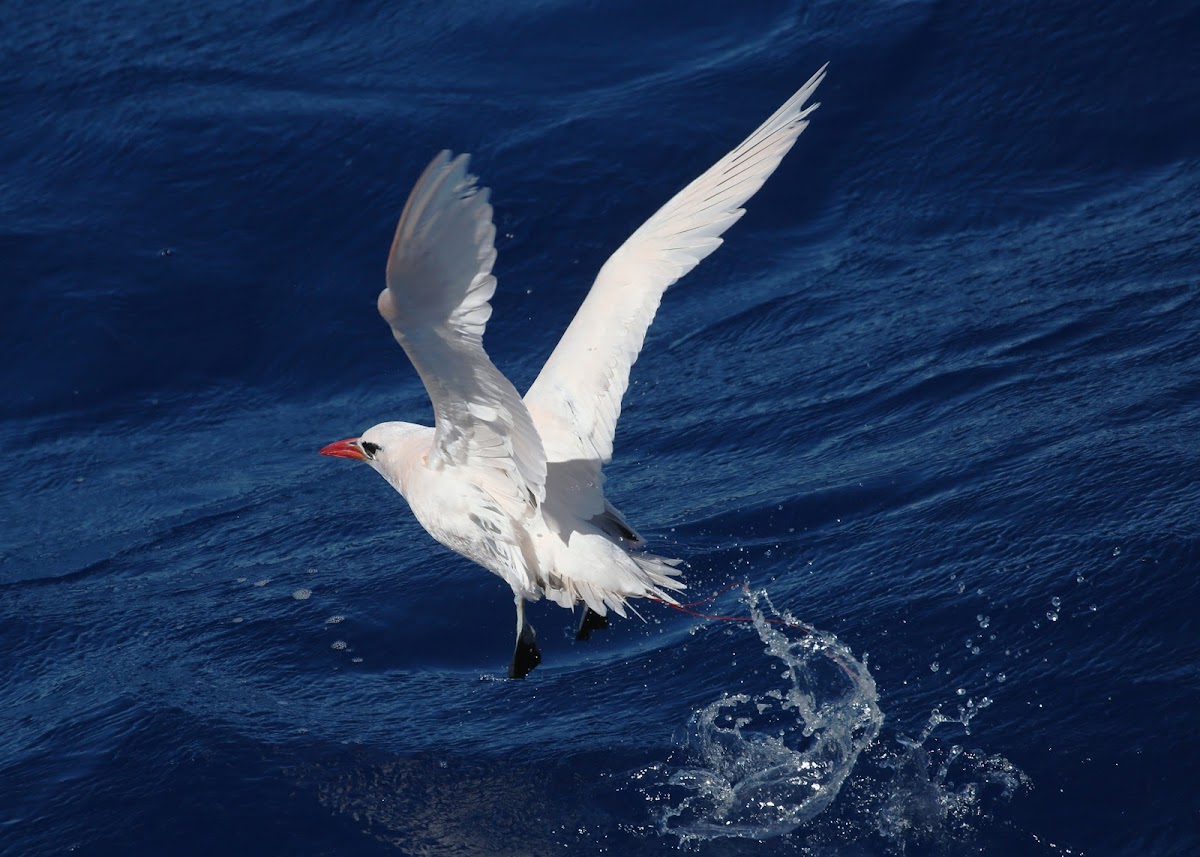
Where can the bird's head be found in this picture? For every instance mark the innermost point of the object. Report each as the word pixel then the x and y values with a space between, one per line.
pixel 387 447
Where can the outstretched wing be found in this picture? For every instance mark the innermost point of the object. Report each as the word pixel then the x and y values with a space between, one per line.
pixel 439 282
pixel 576 400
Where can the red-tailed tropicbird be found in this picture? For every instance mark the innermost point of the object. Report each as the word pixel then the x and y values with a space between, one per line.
pixel 516 484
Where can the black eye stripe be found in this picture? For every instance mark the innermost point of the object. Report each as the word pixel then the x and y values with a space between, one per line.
pixel 370 448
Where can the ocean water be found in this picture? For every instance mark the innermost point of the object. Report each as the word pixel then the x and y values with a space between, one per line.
pixel 933 409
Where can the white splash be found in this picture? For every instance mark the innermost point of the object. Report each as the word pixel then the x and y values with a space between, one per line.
pixel 761 765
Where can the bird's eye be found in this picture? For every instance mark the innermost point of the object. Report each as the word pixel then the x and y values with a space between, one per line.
pixel 369 449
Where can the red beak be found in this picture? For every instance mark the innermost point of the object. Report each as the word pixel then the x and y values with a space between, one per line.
pixel 347 448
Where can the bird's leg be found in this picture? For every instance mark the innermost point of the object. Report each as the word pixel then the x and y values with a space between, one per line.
pixel 591 621
pixel 527 655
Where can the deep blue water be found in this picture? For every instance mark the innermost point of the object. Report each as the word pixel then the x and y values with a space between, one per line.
pixel 938 394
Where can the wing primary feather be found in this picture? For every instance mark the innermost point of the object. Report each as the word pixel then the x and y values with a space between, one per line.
pixel 576 399
pixel 439 284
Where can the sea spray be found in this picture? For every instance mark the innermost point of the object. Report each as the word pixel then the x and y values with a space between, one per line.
pixel 935 793
pixel 760 765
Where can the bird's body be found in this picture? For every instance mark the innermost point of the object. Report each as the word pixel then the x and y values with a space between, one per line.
pixel 515 484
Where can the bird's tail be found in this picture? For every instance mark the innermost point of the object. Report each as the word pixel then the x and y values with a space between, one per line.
pixel 604 576
pixel 662 572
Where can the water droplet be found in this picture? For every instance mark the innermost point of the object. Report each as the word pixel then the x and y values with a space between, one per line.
pixel 984 621
pixel 1001 677
pixel 338 645
pixel 1056 601
pixel 1117 551
pixel 1053 617
pixel 974 650
pixel 935 666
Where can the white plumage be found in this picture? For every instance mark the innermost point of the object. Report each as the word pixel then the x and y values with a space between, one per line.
pixel 515 484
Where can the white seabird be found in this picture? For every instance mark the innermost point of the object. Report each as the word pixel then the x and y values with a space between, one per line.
pixel 516 484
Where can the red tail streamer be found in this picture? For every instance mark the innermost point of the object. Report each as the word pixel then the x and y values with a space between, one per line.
pixel 686 608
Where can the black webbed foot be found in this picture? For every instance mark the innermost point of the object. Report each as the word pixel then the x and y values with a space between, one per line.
pixel 527 655
pixel 591 621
